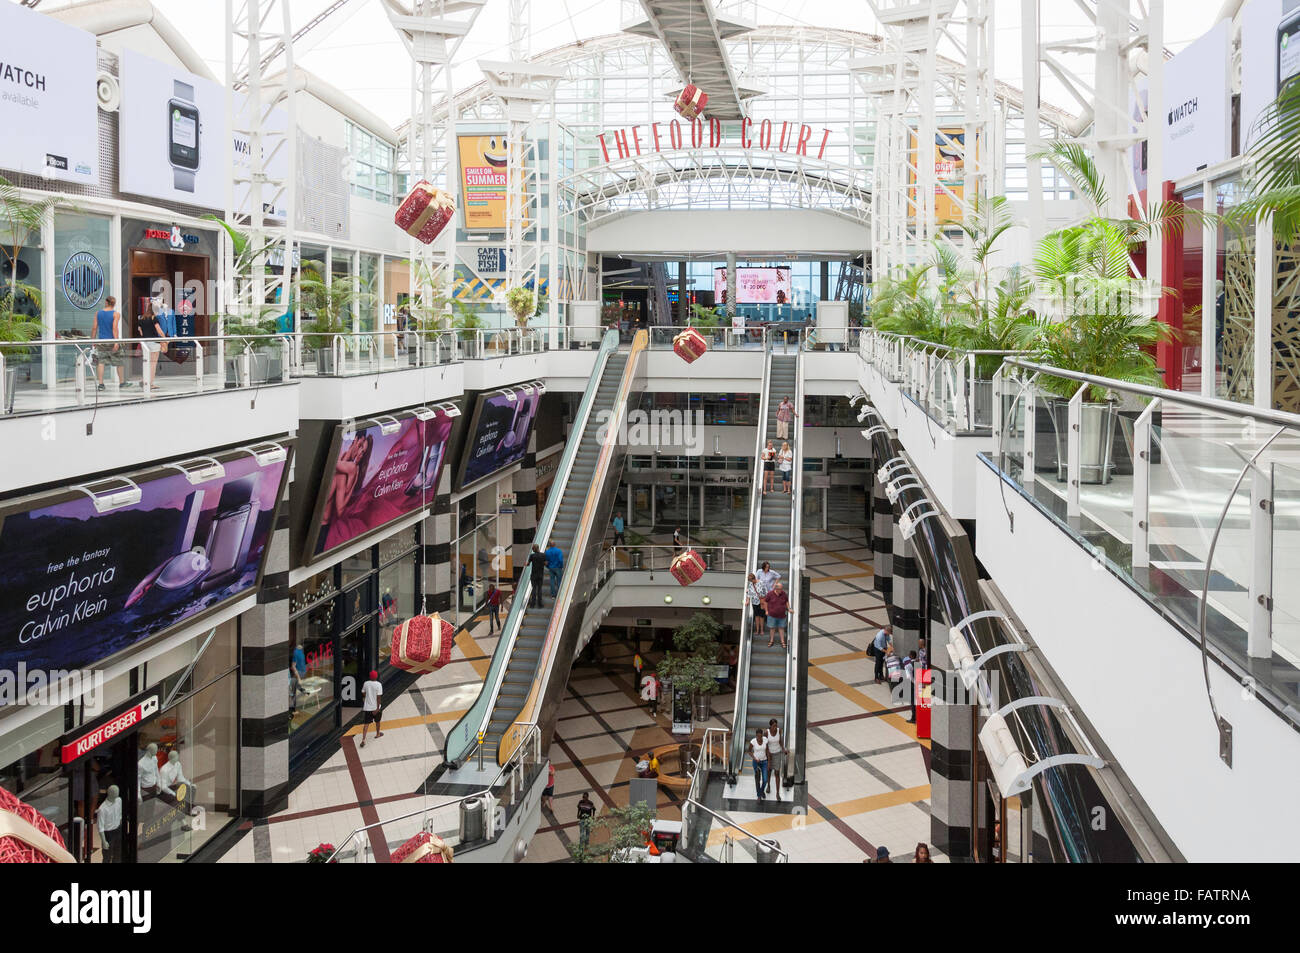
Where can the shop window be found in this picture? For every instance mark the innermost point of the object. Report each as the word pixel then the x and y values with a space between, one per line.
pixel 311 663
pixel 397 599
pixel 81 271
pixel 356 567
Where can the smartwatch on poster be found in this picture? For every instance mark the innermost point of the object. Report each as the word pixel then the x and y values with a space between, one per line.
pixel 183 135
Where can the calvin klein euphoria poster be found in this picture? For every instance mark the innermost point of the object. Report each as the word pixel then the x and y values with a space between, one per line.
pixel 83 585
pixel 499 436
pixel 379 477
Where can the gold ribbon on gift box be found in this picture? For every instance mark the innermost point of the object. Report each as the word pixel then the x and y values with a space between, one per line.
pixel 438 201
pixel 401 645
pixel 433 845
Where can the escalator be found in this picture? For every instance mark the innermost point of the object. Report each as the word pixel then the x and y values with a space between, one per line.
pixel 765 674
pixel 524 682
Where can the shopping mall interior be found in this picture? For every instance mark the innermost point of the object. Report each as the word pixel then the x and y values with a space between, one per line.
pixel 801 435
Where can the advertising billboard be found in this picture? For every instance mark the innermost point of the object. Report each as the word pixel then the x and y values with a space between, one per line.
pixel 379 472
pixel 1197 125
pixel 88 578
pixel 1270 58
pixel 949 173
pixel 172 141
pixel 498 433
pixel 47 97
pixel 275 162
pixel 483 161
pixel 754 286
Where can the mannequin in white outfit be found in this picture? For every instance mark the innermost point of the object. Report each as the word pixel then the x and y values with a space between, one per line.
pixel 109 818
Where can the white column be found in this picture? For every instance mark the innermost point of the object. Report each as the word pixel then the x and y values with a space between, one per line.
pixel 1263 382
pixel 1029 73
pixel 1209 299
pixel 1154 129
pixel 1259 637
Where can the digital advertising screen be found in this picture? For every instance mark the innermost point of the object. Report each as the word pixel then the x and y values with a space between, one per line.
pixel 82 584
pixel 375 477
pixel 754 286
pixel 47 104
pixel 483 180
pixel 498 433
pixel 172 141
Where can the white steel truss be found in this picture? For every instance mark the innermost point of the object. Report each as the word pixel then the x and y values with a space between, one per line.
pixel 258 203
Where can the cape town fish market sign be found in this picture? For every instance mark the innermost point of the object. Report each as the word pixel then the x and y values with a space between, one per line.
pixel 769 136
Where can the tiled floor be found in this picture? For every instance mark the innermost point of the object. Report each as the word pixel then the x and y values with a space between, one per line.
pixel 868 775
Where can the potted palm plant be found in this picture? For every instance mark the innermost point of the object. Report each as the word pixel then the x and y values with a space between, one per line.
pixel 20 303
pixel 330 306
pixel 1094 316
pixel 694 669
pixel 522 304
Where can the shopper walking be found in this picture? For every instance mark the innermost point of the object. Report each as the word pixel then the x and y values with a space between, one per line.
pixel 554 563
pixel 678 540
pixel 108 327
pixel 548 792
pixel 536 566
pixel 778 604
pixel 371 690
pixel 494 608
pixel 754 593
pixel 785 413
pixel 768 460
pixel 758 751
pixel 884 638
pixel 785 461
pixel 775 756
pixel 910 671
pixel 922 854
pixel 618 530
pixel 151 334
pixel 586 815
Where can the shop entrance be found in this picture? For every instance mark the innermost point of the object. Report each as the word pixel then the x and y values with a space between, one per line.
pixel 181 271
pixel 103 830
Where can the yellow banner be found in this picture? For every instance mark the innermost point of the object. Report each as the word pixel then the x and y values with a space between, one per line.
pixel 483 161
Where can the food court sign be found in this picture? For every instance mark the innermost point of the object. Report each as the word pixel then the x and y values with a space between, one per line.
pixel 788 137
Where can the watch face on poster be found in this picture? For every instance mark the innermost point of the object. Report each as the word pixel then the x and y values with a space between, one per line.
pixel 183 134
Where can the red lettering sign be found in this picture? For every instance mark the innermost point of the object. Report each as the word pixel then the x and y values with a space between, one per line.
pixel 627 141
pixel 110 729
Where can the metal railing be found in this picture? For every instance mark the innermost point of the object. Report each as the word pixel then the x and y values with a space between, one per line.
pixel 698 822
pixel 953 386
pixel 658 557
pixel 443 818
pixel 1171 490
pixel 67 373
pixel 794 611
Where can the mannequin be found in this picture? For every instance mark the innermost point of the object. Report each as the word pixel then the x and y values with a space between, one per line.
pixel 149 782
pixel 109 818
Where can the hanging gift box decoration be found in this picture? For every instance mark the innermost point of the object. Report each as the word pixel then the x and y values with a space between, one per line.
pixel 425 212
pixel 423 848
pixel 27 836
pixel 687 567
pixel 691 102
pixel 423 643
pixel 689 345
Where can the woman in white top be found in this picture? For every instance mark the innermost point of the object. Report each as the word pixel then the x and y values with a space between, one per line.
pixel 786 459
pixel 767 577
pixel 775 754
pixel 769 467
pixel 758 749
pixel 754 593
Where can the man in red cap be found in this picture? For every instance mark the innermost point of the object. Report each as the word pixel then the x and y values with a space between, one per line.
pixel 370 692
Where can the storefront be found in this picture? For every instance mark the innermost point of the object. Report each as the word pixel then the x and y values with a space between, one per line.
pixel 172 265
pixel 341 626
pixel 481 552
pixel 146 780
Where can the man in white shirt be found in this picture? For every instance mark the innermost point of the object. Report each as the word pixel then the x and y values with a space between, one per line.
pixel 370 692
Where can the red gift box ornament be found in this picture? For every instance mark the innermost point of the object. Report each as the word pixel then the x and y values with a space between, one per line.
pixel 425 212
pixel 423 848
pixel 691 102
pixel 27 837
pixel 687 568
pixel 689 345
pixel 423 643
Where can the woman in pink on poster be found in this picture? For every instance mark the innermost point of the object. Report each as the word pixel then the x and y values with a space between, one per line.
pixel 348 474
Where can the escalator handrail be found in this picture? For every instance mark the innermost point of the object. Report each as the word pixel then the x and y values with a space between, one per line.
pixel 795 565
pixel 456 748
pixel 738 735
pixel 563 600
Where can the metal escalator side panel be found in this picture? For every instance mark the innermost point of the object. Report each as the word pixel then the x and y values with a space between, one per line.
pixel 462 738
pixel 794 724
pixel 737 757
pixel 580 564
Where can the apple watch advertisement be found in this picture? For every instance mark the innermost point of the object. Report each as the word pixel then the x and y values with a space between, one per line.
pixel 378 477
pixel 498 433
pixel 48 72
pixel 86 584
pixel 172 141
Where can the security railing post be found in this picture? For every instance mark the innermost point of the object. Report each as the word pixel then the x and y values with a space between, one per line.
pixel 1073 453
pixel 1031 426
pixel 80 381
pixel 1142 487
pixel 1259 638
pixel 198 366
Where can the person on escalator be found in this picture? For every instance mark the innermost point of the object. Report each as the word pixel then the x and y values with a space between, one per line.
pixel 555 563
pixel 785 413
pixel 537 566
pixel 778 604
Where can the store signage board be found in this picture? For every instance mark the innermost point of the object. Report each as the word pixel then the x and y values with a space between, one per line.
pixel 47 109
pixel 1196 125
pixel 110 729
pixel 765 135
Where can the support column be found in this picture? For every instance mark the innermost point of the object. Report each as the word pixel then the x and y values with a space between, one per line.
pixel 905 596
pixel 950 772
pixel 731 286
pixel 882 542
pixel 435 571
pixel 683 305
pixel 263 685
pixel 525 521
